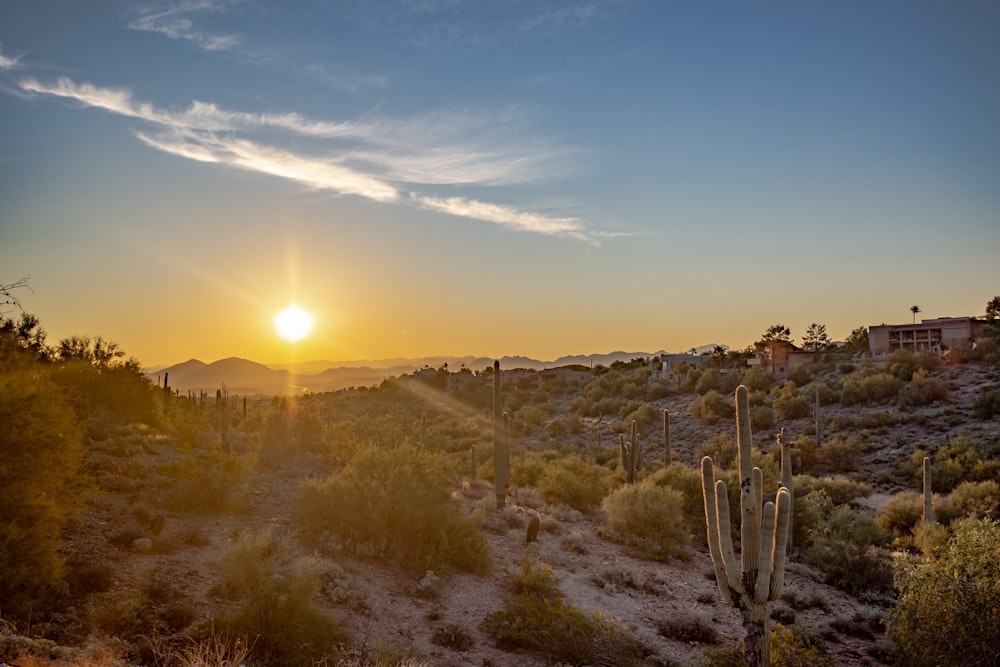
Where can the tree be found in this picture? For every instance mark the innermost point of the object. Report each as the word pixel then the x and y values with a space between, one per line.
pixel 993 309
pixel 41 464
pixel 914 309
pixel 816 339
pixel 776 334
pixel 857 341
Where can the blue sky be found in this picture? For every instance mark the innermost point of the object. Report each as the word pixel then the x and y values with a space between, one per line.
pixel 510 177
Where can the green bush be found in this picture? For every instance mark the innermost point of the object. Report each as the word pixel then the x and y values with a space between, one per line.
pixel 41 487
pixel 575 482
pixel 536 620
pixel 949 606
pixel 712 407
pixel 866 386
pixel 761 418
pixel 790 404
pixel 394 505
pixel 649 519
pixel 687 481
pixel 756 379
pixel 971 499
pixel 275 614
pixel 987 405
pixel 845 546
pixel 922 390
pixel 840 490
pixel 901 513
pixel 714 380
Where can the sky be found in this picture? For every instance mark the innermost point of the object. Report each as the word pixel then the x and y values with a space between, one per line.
pixel 504 177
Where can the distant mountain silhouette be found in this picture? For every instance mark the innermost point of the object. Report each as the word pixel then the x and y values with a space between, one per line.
pixel 246 377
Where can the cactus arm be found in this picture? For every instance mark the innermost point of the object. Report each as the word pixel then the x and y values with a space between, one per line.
pixel 726 538
pixel 782 535
pixel 928 496
pixel 766 553
pixel 748 509
pixel 714 532
pixel 666 437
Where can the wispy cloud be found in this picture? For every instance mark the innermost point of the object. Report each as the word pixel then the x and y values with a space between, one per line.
pixel 505 215
pixel 7 63
pixel 364 157
pixel 574 15
pixel 174 22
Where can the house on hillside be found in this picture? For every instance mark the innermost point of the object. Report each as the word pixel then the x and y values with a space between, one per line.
pixel 936 335
pixel 669 361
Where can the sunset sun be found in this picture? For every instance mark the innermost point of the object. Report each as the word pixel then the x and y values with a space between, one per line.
pixel 293 323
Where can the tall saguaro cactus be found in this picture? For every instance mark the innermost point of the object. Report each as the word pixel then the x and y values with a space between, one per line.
pixel 759 577
pixel 631 454
pixel 501 451
pixel 928 496
pixel 667 455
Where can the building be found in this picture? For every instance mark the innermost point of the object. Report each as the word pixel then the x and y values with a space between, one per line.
pixel 935 335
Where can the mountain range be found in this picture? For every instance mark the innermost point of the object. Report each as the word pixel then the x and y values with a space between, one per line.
pixel 245 377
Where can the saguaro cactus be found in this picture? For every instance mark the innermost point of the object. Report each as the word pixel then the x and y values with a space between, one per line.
pixel 501 452
pixel 759 577
pixel 631 453
pixel 667 456
pixel 928 499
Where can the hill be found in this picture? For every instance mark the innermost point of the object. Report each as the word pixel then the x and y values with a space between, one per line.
pixel 245 377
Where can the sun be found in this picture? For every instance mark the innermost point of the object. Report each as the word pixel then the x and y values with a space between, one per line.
pixel 293 323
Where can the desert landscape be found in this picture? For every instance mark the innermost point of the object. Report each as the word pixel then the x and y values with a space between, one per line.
pixel 356 527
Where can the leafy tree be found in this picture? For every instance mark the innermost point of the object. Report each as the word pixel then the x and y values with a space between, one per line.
pixel 816 339
pixel 41 454
pixel 993 309
pixel 857 340
pixel 97 375
pixel 949 605
pixel 775 335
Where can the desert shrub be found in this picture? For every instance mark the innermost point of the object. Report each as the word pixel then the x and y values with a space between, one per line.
pixel 845 546
pixel 838 455
pixel 646 417
pixel 922 390
pixel 721 443
pixel 866 386
pixel 275 613
pixel 452 635
pixel 536 620
pixel 712 407
pixel 840 490
pixel 761 417
pixel 394 505
pixel 800 375
pixel 208 481
pixel 949 606
pixel 783 615
pixel 649 519
pixel 987 405
pixel 960 460
pixel 687 481
pixel 790 404
pixel 904 363
pixel 690 629
pixel 787 649
pixel 526 468
pixel 900 513
pixel 977 499
pixel 40 476
pixel 757 379
pixel 714 380
pixel 575 482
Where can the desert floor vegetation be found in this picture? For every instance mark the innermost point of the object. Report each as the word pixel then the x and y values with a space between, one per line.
pixel 356 528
